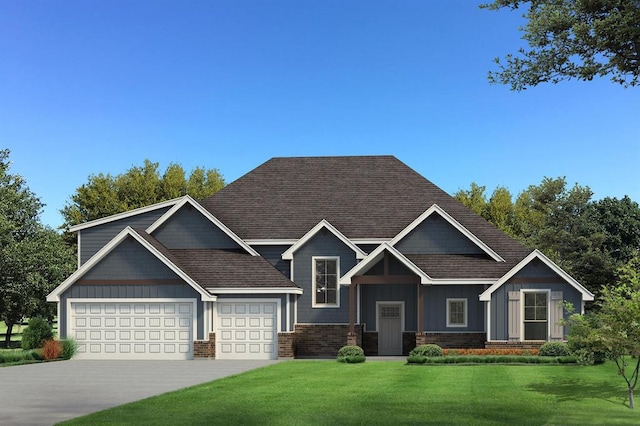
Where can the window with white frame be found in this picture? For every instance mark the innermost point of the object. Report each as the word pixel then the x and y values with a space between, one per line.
pixel 456 312
pixel 326 271
pixel 536 315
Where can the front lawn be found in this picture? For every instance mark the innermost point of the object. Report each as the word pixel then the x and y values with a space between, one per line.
pixel 389 393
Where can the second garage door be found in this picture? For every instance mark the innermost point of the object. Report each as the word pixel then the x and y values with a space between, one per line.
pixel 247 330
pixel 160 329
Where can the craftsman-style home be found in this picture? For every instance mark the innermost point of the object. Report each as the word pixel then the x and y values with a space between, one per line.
pixel 301 256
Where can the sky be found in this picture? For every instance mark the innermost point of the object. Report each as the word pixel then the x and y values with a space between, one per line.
pixel 89 87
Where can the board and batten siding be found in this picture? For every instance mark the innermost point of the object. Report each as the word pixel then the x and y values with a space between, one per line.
pixel 372 293
pixel 94 238
pixel 117 291
pixel 321 244
pixel 435 308
pixel 436 236
pixel 189 229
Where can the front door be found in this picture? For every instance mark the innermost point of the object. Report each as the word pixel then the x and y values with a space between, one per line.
pixel 390 329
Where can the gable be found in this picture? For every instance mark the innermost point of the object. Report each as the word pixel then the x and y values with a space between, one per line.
pixel 323 228
pixel 129 261
pixel 187 228
pixel 434 235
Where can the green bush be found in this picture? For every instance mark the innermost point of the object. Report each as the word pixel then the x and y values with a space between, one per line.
pixel 15 356
pixel 584 357
pixel 37 332
pixel 416 359
pixel 427 350
pixel 490 359
pixel 69 347
pixel 351 354
pixel 554 349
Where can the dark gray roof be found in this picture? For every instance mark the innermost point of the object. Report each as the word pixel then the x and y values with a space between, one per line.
pixel 222 268
pixel 363 197
pixel 455 266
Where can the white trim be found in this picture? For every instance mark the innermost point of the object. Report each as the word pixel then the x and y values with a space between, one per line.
pixel 376 241
pixel 288 255
pixel 378 254
pixel 314 304
pixel 536 254
pixel 358 296
pixel 123 215
pixel 463 281
pixel 188 200
pixel 448 311
pixel 522 322
pixel 79 257
pixel 270 242
pixel 446 216
pixel 288 313
pixel 54 296
pixel 488 324
pixel 254 290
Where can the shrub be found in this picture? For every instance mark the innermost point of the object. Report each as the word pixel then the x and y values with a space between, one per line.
pixel 584 357
pixel 351 354
pixel 416 359
pixel 427 350
pixel 69 347
pixel 52 349
pixel 490 351
pixel 554 349
pixel 37 332
pixel 16 356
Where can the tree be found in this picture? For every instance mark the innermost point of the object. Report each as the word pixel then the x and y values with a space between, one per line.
pixel 33 258
pixel 569 39
pixel 105 195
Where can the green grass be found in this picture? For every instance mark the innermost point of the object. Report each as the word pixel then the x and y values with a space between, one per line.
pixel 390 393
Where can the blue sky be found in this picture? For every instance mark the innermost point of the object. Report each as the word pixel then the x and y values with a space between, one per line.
pixel 90 87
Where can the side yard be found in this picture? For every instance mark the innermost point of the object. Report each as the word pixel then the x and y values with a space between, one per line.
pixel 382 393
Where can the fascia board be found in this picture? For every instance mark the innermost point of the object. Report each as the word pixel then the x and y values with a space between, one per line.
pixel 123 215
pixel 375 256
pixel 188 200
pixel 255 290
pixel 270 242
pixel 288 254
pixel 452 221
pixel 537 254
pixel 54 296
pixel 463 281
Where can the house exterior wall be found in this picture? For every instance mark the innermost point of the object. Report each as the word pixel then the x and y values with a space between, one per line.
pixel 94 238
pixel 322 244
pixel 189 229
pixel 372 293
pixel 436 236
pixel 283 305
pixel 273 254
pixel 435 308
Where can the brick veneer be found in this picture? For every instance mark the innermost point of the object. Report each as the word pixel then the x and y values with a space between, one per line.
pixel 286 345
pixel 453 340
pixel 322 340
pixel 205 348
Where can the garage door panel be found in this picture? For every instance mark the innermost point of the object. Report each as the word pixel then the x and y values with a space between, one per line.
pixel 246 330
pixel 125 330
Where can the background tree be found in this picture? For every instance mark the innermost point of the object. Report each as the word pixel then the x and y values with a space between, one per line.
pixel 105 195
pixel 33 258
pixel 570 39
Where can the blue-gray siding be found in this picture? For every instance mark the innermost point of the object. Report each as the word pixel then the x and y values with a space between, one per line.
pixel 435 305
pixel 322 244
pixel 436 236
pixel 370 294
pixel 189 229
pixel 94 238
pixel 274 255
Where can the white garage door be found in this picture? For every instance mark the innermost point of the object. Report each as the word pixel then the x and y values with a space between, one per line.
pixel 133 329
pixel 247 330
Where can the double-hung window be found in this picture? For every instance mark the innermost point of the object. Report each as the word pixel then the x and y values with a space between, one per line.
pixel 456 312
pixel 326 272
pixel 535 315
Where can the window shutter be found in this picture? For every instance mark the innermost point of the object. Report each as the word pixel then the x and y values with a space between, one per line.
pixel 557 330
pixel 514 315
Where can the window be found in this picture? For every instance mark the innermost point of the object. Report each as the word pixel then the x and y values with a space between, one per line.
pixel 535 316
pixel 456 312
pixel 325 281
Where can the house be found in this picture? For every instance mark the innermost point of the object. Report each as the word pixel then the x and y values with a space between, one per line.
pixel 301 256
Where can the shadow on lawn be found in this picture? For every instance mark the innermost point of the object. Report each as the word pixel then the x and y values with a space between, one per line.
pixel 571 389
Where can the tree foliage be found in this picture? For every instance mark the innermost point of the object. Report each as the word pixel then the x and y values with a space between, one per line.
pixel 570 39
pixel 33 258
pixel 589 239
pixel 105 195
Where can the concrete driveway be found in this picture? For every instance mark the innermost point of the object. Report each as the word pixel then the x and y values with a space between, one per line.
pixel 47 393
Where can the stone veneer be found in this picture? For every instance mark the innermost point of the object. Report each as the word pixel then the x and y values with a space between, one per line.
pixel 322 340
pixel 205 348
pixel 453 340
